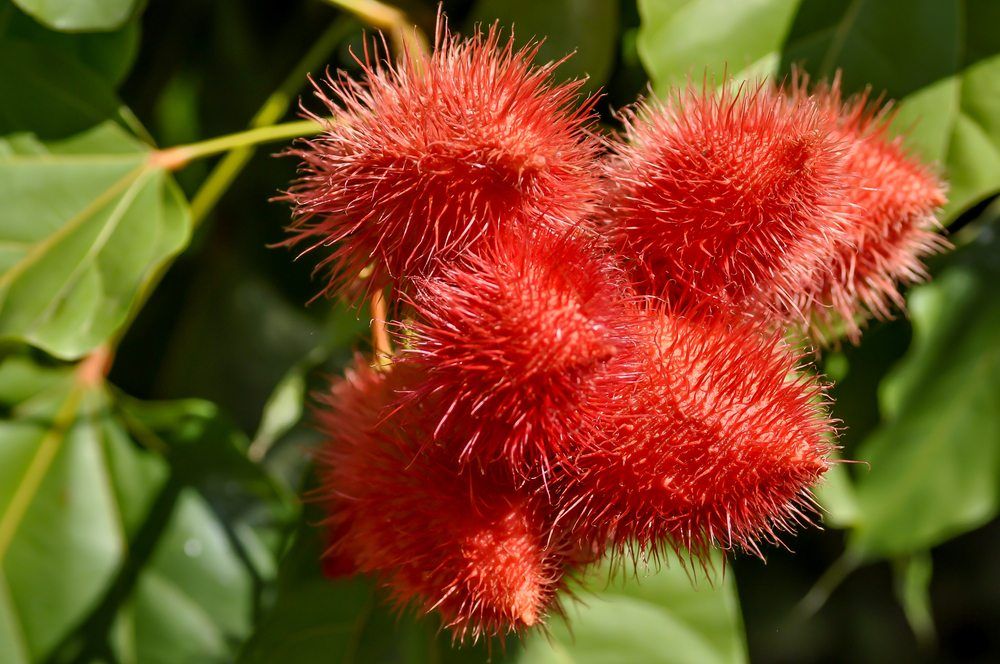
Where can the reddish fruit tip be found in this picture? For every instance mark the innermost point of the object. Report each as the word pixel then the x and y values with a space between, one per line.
pixel 895 199
pixel 467 544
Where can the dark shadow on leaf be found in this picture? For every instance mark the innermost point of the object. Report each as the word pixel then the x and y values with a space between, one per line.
pixel 896 46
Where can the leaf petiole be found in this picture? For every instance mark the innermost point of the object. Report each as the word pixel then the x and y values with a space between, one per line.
pixel 178 157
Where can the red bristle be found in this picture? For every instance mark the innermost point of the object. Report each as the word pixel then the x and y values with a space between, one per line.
pixel 896 198
pixel 515 342
pixel 463 542
pixel 428 157
pixel 728 199
pixel 717 442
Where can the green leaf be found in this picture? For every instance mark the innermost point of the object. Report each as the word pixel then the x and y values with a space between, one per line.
pixel 62 533
pixel 857 372
pixel 935 461
pixel 940 57
pixel 338 620
pixel 79 15
pixel 284 408
pixel 313 618
pixel 586 28
pixel 682 38
pixel 661 618
pixel 193 601
pixel 958 124
pixel 108 54
pixel 873 42
pixel 345 619
pixel 197 597
pixel 104 540
pixel 87 217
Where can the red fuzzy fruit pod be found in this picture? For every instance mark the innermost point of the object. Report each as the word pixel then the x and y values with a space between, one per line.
pixel 729 199
pixel 896 198
pixel 469 545
pixel 718 443
pixel 515 342
pixel 428 157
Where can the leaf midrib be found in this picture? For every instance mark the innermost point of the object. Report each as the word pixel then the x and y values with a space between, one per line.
pixel 21 639
pixel 107 230
pixel 38 467
pixel 73 223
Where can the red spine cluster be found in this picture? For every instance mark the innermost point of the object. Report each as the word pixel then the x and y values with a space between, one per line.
pixel 520 341
pixel 427 158
pixel 895 199
pixel 715 442
pixel 590 350
pixel 469 544
pixel 729 200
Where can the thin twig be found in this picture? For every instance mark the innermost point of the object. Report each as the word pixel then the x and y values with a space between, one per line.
pixel 406 37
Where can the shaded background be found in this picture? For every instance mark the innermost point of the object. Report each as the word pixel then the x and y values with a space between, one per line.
pixel 200 424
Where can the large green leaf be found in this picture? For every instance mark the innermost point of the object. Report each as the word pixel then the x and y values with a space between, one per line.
pixel 62 533
pixel 87 217
pixel 586 28
pixel 79 15
pixel 109 54
pixel 193 601
pixel 104 541
pixel 856 372
pixel 663 617
pixel 935 462
pixel 313 618
pixel 197 597
pixel 876 43
pixel 689 38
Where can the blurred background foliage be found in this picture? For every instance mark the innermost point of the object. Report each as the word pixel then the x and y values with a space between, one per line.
pixel 152 515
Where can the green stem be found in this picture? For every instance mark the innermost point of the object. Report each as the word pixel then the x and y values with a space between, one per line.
pixel 178 157
pixel 406 37
pixel 376 14
pixel 827 583
pixel 273 109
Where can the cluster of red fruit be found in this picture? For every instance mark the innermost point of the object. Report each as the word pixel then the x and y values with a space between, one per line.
pixel 591 331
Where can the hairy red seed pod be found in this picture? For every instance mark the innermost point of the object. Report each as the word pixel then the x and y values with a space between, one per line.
pixel 896 198
pixel 717 443
pixel 516 342
pixel 727 199
pixel 467 544
pixel 428 157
